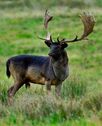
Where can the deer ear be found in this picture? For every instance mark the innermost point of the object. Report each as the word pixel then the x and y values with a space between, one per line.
pixel 64 45
pixel 48 43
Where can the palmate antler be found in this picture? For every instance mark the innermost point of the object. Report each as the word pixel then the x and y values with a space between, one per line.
pixel 47 19
pixel 88 22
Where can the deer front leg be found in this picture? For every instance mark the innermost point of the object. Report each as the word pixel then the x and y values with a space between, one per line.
pixel 48 86
pixel 58 89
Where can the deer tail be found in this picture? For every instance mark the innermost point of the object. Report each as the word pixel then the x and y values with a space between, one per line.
pixel 7 68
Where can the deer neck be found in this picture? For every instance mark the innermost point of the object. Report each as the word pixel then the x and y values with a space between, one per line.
pixel 60 66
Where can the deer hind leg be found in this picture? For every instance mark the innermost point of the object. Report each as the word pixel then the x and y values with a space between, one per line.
pixel 10 90
pixel 13 89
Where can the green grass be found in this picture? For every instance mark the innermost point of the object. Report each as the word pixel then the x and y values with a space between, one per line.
pixel 81 100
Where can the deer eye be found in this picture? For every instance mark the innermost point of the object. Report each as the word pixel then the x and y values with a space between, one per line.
pixel 64 45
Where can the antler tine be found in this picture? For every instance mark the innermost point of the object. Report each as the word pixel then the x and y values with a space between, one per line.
pixel 47 19
pixel 48 37
pixel 88 22
pixel 58 38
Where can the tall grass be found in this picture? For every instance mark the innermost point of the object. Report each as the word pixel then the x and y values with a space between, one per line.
pixel 75 87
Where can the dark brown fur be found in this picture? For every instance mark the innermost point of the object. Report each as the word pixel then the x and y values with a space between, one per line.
pixel 45 70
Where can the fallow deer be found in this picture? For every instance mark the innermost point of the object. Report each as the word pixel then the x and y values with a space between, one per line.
pixel 46 70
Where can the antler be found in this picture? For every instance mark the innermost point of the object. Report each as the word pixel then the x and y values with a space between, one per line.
pixel 47 18
pixel 88 22
pixel 48 37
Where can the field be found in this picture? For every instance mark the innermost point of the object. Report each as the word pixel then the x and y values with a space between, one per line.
pixel 81 101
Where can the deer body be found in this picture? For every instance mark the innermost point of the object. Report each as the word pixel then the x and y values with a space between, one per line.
pixel 43 70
